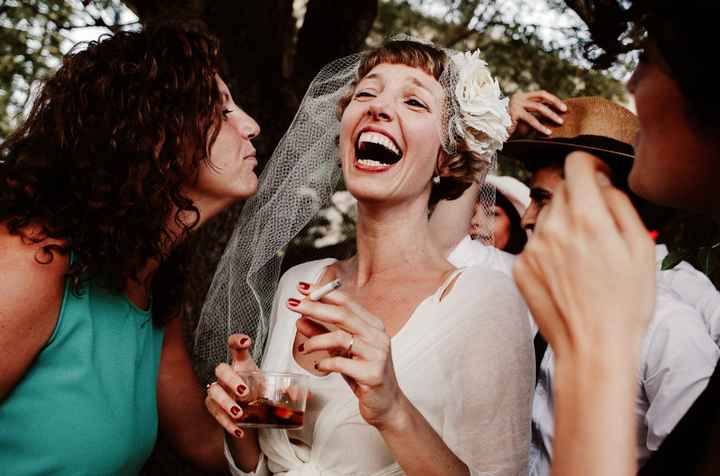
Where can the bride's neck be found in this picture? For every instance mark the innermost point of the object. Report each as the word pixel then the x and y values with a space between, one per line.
pixel 394 240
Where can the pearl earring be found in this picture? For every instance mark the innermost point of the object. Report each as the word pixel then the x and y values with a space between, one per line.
pixel 436 179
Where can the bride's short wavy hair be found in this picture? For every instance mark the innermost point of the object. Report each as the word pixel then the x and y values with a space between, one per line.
pixel 464 166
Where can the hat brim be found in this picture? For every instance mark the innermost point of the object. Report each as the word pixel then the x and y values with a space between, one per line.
pixel 535 153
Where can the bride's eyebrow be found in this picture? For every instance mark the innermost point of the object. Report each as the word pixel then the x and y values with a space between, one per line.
pixel 371 77
pixel 419 84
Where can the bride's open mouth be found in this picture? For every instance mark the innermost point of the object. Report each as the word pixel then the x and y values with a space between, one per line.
pixel 376 151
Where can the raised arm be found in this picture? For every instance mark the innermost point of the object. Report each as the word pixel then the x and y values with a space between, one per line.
pixel 588 276
pixel 450 220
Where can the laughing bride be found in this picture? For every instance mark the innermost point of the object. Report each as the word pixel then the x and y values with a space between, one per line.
pixel 415 367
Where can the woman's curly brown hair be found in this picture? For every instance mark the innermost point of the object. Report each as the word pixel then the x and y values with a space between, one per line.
pixel 108 145
pixel 462 168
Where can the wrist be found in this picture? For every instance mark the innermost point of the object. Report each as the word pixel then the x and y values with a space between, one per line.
pixel 594 396
pixel 399 419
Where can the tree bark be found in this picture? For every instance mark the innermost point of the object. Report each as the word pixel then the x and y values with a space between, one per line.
pixel 331 30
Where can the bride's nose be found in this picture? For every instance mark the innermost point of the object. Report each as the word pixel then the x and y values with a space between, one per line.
pixel 379 110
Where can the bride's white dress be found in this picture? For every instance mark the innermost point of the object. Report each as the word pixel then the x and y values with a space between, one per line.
pixel 465 361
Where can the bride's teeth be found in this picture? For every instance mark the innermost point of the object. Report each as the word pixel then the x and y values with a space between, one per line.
pixel 377 138
pixel 371 163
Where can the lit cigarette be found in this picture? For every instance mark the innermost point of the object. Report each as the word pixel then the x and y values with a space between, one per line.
pixel 328 288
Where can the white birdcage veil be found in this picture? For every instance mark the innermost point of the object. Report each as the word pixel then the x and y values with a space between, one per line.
pixel 297 182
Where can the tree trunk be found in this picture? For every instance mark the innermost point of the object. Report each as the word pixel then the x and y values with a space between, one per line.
pixel 268 66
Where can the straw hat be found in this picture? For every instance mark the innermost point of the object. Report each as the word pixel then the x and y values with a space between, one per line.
pixel 511 188
pixel 593 124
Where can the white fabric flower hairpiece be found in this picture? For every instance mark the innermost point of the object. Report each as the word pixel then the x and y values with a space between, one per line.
pixel 483 118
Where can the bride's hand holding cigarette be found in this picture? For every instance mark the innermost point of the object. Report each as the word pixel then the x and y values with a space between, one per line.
pixel 359 349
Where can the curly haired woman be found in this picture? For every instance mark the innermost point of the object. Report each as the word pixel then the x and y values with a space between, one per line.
pixel 133 143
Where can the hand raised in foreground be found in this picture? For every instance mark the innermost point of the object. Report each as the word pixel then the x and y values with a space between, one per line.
pixel 588 272
pixel 588 276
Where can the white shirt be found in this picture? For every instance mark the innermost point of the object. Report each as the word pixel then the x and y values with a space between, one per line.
pixel 693 288
pixel 465 362
pixel 470 252
pixel 679 353
pixel 678 357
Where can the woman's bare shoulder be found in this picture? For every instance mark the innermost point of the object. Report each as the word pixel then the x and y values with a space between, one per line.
pixel 33 283
pixel 28 252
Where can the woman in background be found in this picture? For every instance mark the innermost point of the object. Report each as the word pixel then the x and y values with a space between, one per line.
pixel 512 198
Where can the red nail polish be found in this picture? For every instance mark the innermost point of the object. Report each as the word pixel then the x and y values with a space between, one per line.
pixel 292 302
pixel 304 286
pixel 235 411
pixel 239 433
pixel 301 348
pixel 241 389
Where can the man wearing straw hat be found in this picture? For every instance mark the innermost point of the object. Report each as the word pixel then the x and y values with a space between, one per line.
pixel 678 354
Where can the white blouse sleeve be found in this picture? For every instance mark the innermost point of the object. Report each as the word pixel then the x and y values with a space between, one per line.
pixel 491 370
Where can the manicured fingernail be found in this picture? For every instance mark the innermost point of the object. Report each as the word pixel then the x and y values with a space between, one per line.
pixel 563 107
pixel 292 302
pixel 560 120
pixel 304 286
pixel 235 410
pixel 548 131
pixel 238 433
pixel 301 348
pixel 241 389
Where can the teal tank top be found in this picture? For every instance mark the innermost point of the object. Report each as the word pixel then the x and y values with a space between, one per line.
pixel 87 405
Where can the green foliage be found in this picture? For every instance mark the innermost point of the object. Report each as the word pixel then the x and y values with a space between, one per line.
pixel 30 41
pixel 521 54
pixel 33 35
